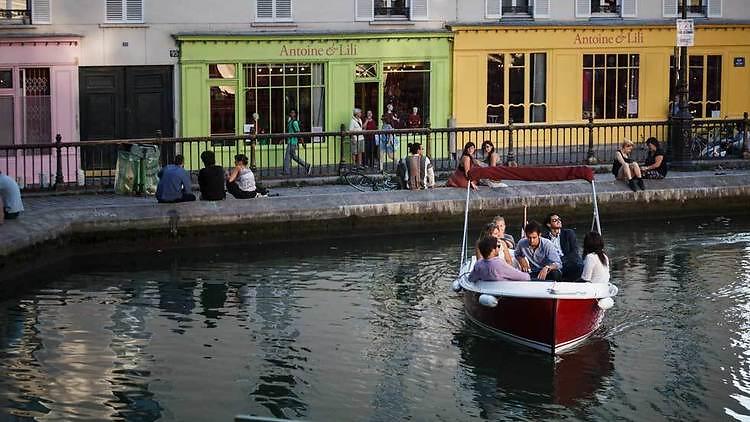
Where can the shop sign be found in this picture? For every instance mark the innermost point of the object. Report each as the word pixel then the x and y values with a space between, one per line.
pixel 685 33
pixel 739 62
pixel 319 50
pixel 604 40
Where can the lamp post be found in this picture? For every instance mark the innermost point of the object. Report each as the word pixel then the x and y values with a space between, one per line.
pixel 682 121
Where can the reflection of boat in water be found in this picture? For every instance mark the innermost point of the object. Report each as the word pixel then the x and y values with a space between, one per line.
pixel 504 377
pixel 548 316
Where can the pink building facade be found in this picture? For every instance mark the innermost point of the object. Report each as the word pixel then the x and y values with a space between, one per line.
pixel 38 100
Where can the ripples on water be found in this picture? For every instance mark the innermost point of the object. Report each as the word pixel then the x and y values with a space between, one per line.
pixel 369 330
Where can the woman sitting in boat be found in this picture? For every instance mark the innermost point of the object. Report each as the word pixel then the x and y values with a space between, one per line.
pixel 492 230
pixel 460 177
pixel 595 261
pixel 492 267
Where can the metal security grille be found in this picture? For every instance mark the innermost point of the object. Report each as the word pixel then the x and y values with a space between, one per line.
pixel 36 105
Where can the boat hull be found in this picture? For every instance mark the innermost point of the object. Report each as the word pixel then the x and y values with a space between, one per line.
pixel 548 324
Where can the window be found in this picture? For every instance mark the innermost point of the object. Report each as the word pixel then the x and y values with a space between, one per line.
pixel 123 11
pixel 516 6
pixel 15 12
pixel 273 89
pixel 391 8
pixel 6 120
pixel 6 79
pixel 610 86
pixel 274 10
pixel 517 88
pixel 407 85
pixel 222 110
pixel 605 6
pixel 704 84
pixel 222 71
pixel 366 71
pixel 36 105
pixel 695 7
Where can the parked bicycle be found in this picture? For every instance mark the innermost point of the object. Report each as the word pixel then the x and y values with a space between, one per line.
pixel 358 179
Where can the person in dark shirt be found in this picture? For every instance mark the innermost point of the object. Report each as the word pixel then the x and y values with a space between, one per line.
pixel 174 183
pixel 656 162
pixel 211 178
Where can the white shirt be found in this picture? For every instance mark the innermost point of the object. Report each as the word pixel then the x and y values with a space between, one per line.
pixel 11 195
pixel 246 180
pixel 356 125
pixel 593 270
pixel 556 241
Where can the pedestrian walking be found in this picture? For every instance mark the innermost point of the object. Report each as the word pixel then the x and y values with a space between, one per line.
pixel 291 153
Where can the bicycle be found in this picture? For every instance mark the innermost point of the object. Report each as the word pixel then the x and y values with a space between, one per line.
pixel 357 179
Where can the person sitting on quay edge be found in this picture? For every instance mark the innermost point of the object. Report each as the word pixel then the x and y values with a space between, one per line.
pixel 241 180
pixel 10 198
pixel 596 262
pixel 656 161
pixel 211 178
pixel 566 244
pixel 174 183
pixel 537 255
pixel 491 230
pixel 417 168
pixel 499 221
pixel 492 267
pixel 624 168
pixel 460 177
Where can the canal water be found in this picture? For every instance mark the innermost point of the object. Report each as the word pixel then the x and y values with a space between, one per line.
pixel 368 329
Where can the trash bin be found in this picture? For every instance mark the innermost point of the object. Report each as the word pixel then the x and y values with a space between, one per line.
pixel 136 171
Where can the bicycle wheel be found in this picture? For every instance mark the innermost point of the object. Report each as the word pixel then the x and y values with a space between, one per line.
pixel 358 180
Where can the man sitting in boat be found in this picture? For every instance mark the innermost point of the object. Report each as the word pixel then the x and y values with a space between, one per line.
pixel 567 246
pixel 537 255
pixel 492 267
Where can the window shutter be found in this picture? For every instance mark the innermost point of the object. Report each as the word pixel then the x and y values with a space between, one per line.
pixel 714 8
pixel 40 11
pixel 265 9
pixel 114 11
pixel 541 8
pixel 284 9
pixel 670 8
pixel 134 11
pixel 418 10
pixel 583 8
pixel 493 9
pixel 629 8
pixel 364 10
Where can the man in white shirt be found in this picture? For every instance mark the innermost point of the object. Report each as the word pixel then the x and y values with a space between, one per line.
pixel 10 197
pixel 357 141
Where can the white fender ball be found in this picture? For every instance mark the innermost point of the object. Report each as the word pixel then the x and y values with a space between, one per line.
pixel 606 303
pixel 456 286
pixel 488 301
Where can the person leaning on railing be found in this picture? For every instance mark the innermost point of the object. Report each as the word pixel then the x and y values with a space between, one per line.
pixel 656 162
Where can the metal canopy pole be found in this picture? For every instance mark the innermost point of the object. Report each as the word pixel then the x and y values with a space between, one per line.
pixel 596 222
pixel 466 225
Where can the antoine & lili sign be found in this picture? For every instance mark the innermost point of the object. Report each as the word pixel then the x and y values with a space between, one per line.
pixel 319 50
pixel 608 39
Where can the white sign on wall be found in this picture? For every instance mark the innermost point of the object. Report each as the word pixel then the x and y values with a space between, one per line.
pixel 685 33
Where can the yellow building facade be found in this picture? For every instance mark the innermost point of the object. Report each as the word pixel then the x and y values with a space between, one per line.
pixel 563 74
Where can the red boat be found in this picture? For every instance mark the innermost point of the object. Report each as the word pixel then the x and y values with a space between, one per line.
pixel 547 316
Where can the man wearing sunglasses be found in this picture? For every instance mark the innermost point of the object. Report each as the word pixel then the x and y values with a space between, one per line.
pixel 566 244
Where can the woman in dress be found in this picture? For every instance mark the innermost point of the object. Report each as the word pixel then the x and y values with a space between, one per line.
pixel 460 177
pixel 595 261
pixel 371 150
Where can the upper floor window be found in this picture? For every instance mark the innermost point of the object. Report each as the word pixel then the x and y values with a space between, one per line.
pixel 605 8
pixel 274 10
pixel 694 7
pixel 709 8
pixel 24 12
pixel 124 11
pixel 498 9
pixel 369 10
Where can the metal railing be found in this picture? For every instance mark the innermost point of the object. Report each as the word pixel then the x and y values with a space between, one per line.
pixel 96 164
pixel 15 16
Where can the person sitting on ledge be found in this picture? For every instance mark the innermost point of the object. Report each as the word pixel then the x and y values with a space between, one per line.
pixel 537 255
pixel 174 183
pixel 10 198
pixel 211 178
pixel 656 162
pixel 241 180
pixel 624 168
pixel 492 267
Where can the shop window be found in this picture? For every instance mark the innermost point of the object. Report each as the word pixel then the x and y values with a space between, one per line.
pixel 6 79
pixel 124 11
pixel 274 10
pixel 610 86
pixel 366 71
pixel 273 89
pixel 36 105
pixel 222 110
pixel 516 88
pixel 6 120
pixel 407 85
pixel 704 85
pixel 694 7
pixel 222 71
pixel 605 6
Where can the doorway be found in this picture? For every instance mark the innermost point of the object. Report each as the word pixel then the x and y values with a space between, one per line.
pixel 366 98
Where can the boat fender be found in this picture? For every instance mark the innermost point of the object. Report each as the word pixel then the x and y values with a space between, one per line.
pixel 488 301
pixel 456 286
pixel 606 303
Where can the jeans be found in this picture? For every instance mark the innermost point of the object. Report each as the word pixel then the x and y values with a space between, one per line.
pixel 291 154
pixel 186 197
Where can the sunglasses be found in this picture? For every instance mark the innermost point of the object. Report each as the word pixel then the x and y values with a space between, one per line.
pixel 555 220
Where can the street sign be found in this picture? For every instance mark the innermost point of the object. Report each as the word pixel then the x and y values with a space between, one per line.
pixel 685 33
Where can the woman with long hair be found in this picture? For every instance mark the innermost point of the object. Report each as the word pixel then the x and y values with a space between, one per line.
pixel 491 157
pixel 460 177
pixel 595 261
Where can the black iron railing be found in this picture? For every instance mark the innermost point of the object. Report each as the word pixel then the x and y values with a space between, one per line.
pixel 15 16
pixel 99 164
